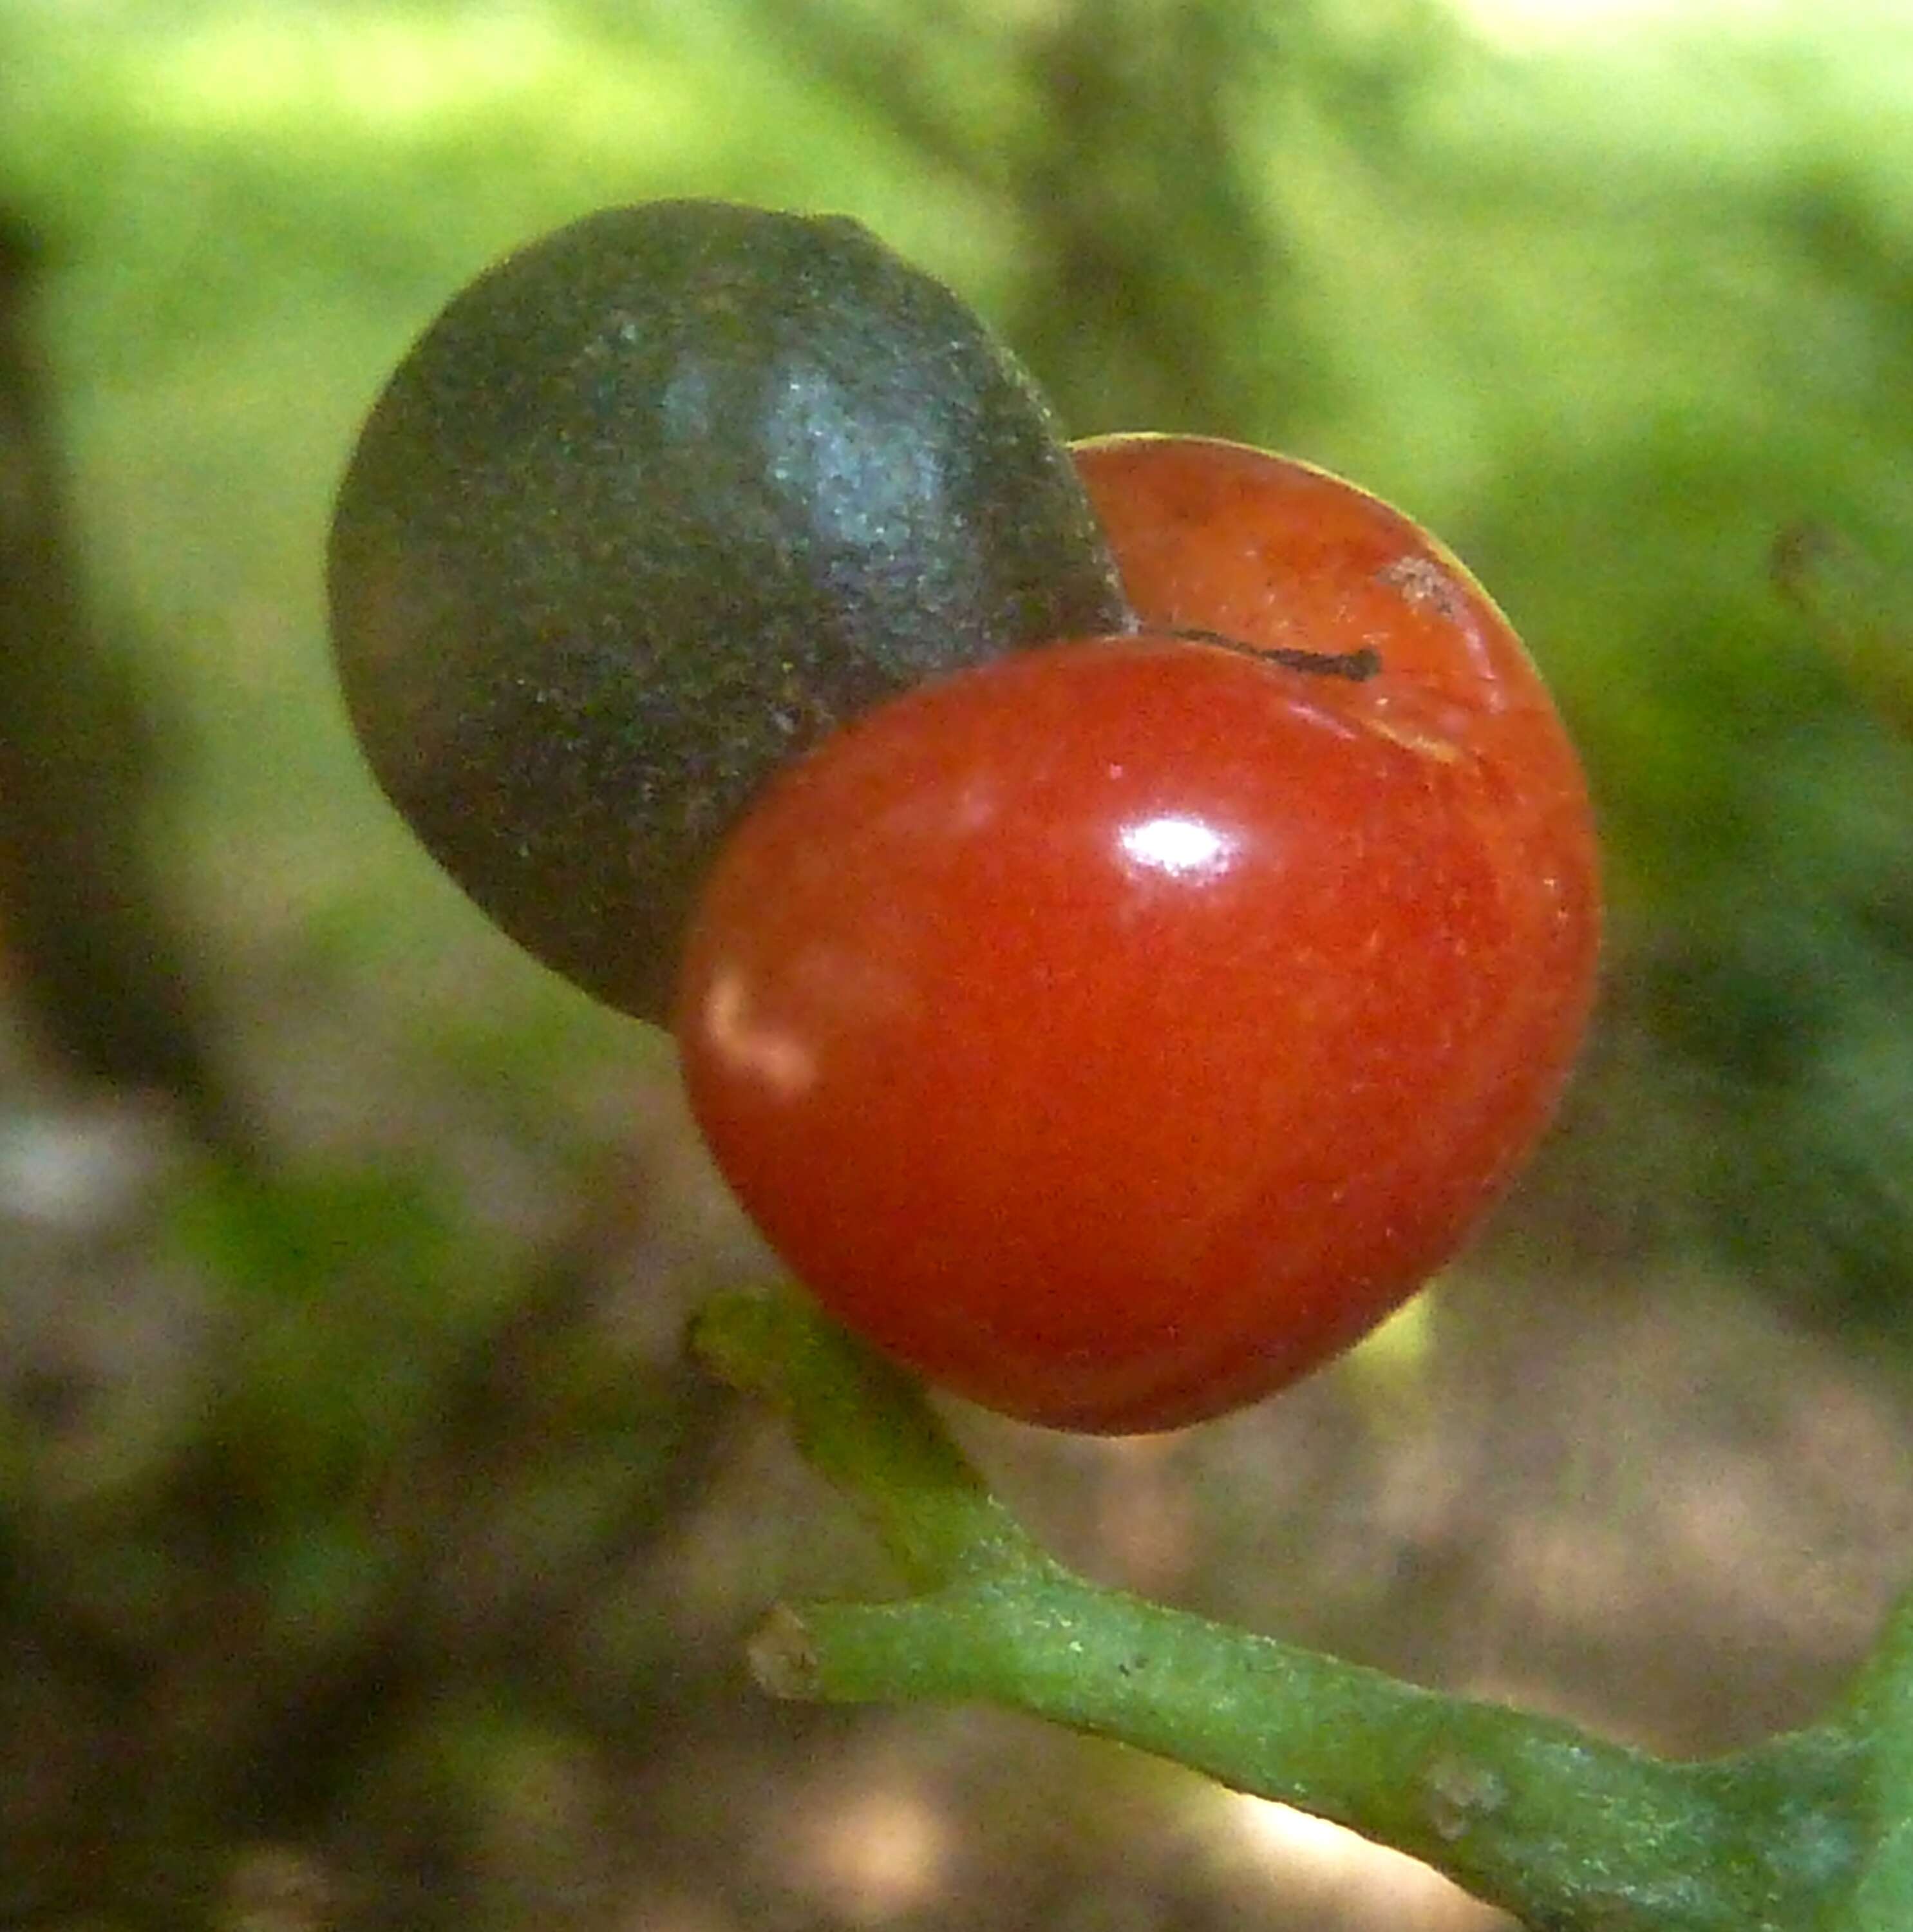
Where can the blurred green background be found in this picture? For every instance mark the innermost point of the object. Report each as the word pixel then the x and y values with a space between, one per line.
pixel 367 1555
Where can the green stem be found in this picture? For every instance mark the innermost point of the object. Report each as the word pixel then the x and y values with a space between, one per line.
pixel 1560 1828
pixel 863 1426
pixel 1569 1833
pixel 1880 1711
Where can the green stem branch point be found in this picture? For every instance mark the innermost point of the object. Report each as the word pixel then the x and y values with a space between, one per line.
pixel 1564 1830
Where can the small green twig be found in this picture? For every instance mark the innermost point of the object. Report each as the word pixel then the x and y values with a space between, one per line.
pixel 1567 1832
pixel 1880 1712
pixel 863 1426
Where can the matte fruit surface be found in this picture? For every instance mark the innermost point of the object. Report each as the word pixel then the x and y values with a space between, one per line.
pixel 655 504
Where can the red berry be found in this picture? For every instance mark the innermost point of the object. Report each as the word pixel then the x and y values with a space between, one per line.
pixel 1114 1031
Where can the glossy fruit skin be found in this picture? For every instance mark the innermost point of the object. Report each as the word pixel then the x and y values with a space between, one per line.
pixel 656 502
pixel 1114 1033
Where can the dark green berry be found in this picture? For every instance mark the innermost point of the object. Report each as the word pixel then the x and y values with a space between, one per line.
pixel 655 504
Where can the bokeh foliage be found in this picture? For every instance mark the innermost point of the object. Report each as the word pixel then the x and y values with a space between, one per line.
pixel 1614 319
pixel 1617 318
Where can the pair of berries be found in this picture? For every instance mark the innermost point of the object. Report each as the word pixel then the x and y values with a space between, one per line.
pixel 1126 909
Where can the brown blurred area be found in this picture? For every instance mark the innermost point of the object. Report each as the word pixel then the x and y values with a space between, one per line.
pixel 501 1682
pixel 100 974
